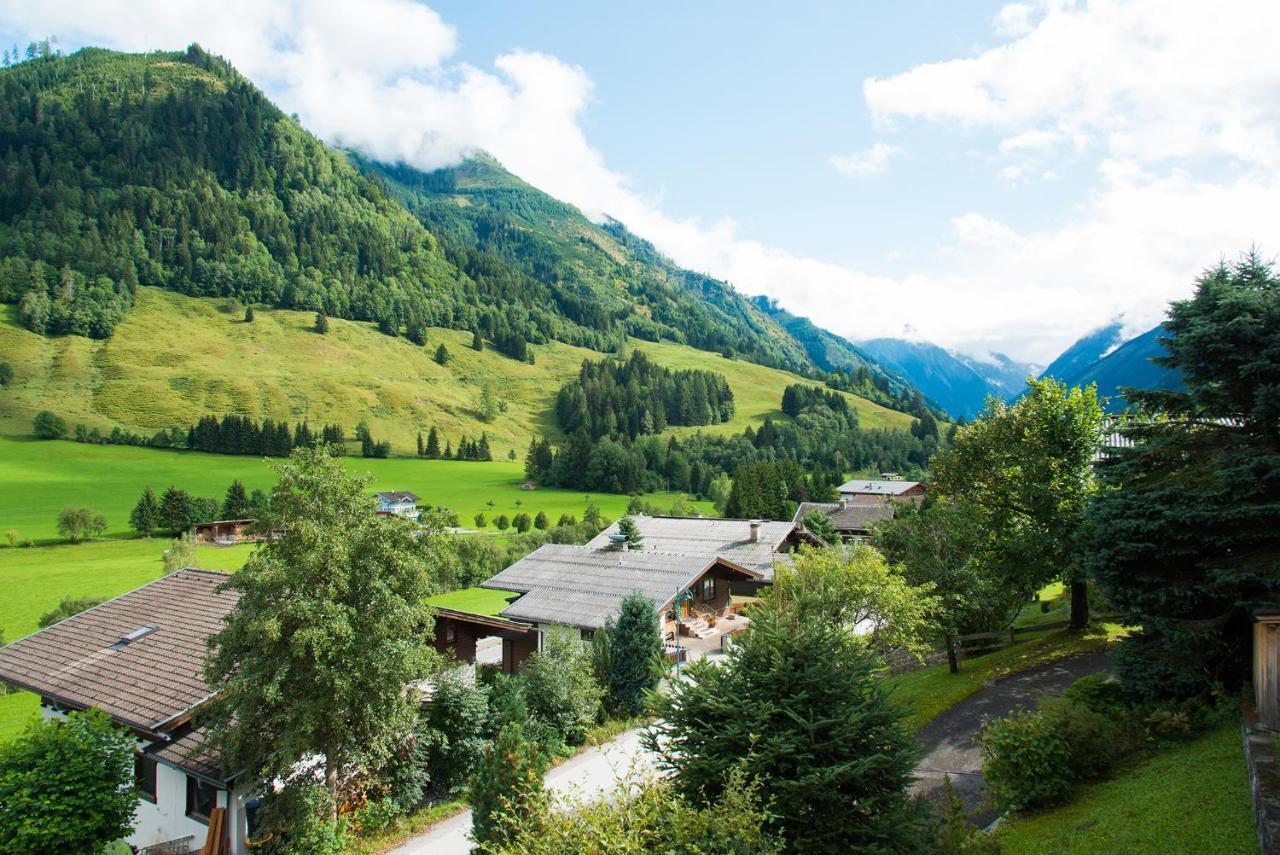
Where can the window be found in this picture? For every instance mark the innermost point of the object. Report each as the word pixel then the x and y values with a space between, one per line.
pixel 202 798
pixel 450 633
pixel 144 772
pixel 708 589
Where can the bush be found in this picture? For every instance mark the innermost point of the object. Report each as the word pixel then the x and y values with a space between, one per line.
pixel 65 609
pixel 522 522
pixel 502 522
pixel 560 688
pixel 1095 741
pixel 1027 761
pixel 456 725
pixel 1097 692
pixel 77 524
pixel 480 521
pixel 507 704
pixel 46 425
pixel 66 786
pixel 505 786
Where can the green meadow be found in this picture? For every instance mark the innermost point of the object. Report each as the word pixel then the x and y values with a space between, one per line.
pixel 38 478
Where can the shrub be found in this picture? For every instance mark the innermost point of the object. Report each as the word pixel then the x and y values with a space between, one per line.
pixel 65 609
pixel 46 425
pixel 505 786
pixel 182 553
pixel 541 522
pixel 1027 761
pixel 456 724
pixel 507 703
pixel 6 373
pixel 66 786
pixel 1098 692
pixel 560 688
pixel 480 521
pixel 1095 741
pixel 502 522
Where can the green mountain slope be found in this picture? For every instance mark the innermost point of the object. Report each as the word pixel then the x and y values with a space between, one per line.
pixel 175 358
pixel 505 233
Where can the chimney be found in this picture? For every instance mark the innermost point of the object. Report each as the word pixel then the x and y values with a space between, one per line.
pixel 844 502
pixel 754 525
pixel 618 542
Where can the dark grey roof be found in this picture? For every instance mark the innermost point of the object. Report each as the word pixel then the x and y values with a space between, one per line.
pixel 582 585
pixel 877 488
pixel 729 539
pixel 848 517
pixel 399 496
pixel 147 682
pixel 190 752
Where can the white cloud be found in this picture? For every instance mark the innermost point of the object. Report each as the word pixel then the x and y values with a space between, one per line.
pixel 1014 19
pixel 1155 83
pixel 860 164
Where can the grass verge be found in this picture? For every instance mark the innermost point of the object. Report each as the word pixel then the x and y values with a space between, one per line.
pixel 1191 798
pixel 929 691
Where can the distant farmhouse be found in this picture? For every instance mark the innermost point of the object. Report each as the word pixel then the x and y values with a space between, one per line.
pixel 861 491
pixel 851 521
pixel 224 532
pixel 140 659
pixel 688 567
pixel 398 503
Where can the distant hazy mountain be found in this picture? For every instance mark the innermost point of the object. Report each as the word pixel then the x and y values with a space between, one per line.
pixel 959 384
pixel 1115 367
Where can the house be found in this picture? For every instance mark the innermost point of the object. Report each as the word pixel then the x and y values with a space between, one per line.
pixel 852 522
pixel 140 658
pixel 399 503
pixel 861 491
pixel 583 586
pixel 696 562
pixel 224 532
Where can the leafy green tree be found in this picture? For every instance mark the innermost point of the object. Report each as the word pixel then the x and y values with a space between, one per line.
pixel 455 724
pixel 521 522
pixel 477 340
pixel 857 590
pixel 145 517
pixel 540 522
pixel 77 524
pixel 46 425
pixel 635 647
pixel 480 520
pixel 65 609
pixel 322 323
pixel 941 544
pixel 819 524
pixel 66 786
pixel 236 504
pixel 505 786
pixel 1026 471
pixel 797 705
pixel 1186 530
pixel 627 528
pixel 560 685
pixel 502 522
pixel 330 627
pixel 180 553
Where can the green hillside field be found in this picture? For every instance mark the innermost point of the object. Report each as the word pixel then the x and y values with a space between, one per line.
pixel 175 358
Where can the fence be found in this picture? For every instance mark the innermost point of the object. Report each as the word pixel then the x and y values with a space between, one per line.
pixel 981 642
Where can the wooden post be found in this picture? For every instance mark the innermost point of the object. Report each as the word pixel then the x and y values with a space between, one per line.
pixel 1266 667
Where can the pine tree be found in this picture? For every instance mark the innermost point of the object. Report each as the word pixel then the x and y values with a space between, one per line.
pixel 322 323
pixel 635 645
pixel 628 528
pixel 421 447
pixel 477 340
pixel 432 449
pixel 442 356
pixel 482 449
pixel 146 514
pixel 541 522
pixel 176 511
pixel 248 314
pixel 509 777
pixel 236 504
pixel 448 450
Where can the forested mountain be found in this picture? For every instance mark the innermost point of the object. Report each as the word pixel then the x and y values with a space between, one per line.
pixel 1085 351
pixel 959 384
pixel 1129 365
pixel 505 234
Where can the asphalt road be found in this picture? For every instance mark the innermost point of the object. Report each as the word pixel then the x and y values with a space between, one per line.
pixel 947 741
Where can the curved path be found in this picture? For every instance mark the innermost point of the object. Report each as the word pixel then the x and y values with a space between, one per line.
pixel 947 741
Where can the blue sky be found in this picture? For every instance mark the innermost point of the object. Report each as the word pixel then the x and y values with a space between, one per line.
pixel 987 176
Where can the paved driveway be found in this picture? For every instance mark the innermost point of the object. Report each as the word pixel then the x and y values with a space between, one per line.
pixel 591 773
pixel 947 741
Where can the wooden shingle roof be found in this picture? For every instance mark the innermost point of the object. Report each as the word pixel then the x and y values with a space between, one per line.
pixel 139 657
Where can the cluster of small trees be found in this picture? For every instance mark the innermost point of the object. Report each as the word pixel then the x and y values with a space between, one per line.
pixel 176 510
pixel 370 447
pixel 468 448
pixel 233 434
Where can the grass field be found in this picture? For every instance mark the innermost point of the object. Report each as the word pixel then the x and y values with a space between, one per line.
pixel 1193 798
pixel 38 478
pixel 476 601
pixel 175 358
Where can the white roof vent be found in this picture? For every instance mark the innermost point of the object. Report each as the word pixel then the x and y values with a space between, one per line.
pixel 130 637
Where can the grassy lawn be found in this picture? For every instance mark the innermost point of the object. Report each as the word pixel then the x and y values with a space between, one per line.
pixel 929 691
pixel 475 601
pixel 1059 601
pixel 1191 798
pixel 37 479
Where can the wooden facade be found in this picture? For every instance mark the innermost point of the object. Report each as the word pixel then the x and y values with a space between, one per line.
pixel 457 633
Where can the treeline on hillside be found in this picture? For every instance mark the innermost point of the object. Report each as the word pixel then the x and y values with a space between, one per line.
pixel 630 398
pixel 823 439
pixel 468 448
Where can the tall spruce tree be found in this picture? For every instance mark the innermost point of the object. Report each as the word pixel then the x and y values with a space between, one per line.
pixel 236 504
pixel 635 645
pixel 432 449
pixel 1185 535
pixel 145 517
